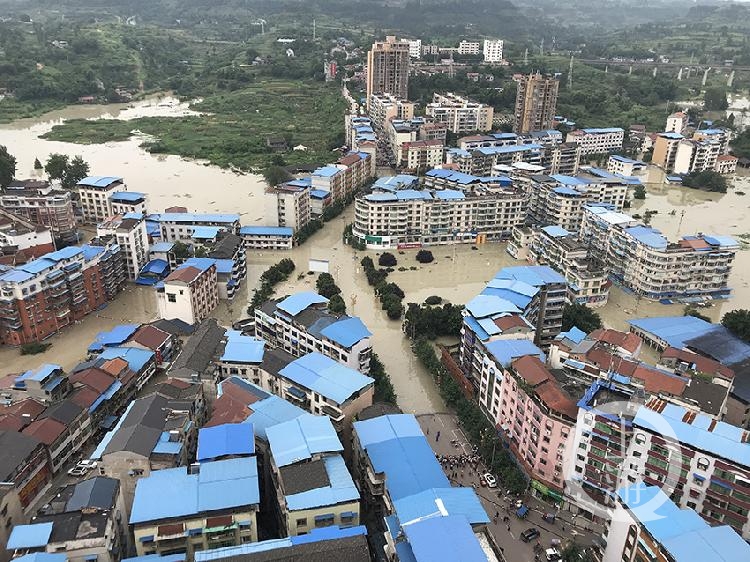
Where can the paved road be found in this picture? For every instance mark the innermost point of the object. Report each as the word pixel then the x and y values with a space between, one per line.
pixel 506 534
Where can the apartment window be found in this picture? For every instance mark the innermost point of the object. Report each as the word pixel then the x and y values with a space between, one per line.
pixel 640 438
pixel 302 522
pixel 703 463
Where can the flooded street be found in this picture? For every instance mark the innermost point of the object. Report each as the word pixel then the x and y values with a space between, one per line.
pixel 457 274
pixel 167 180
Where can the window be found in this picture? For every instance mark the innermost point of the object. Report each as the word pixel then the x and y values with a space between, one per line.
pixel 302 522
pixel 171 297
pixel 640 438
pixel 703 463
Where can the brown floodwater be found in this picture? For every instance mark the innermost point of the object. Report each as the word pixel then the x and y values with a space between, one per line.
pixel 457 274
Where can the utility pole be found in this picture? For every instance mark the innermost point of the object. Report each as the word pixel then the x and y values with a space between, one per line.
pixel 541 48
pixel 570 74
pixel 313 29
pixel 526 57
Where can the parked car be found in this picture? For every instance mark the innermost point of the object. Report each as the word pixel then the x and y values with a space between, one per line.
pixel 491 481
pixel 530 534
pixel 553 555
pixel 83 467
pixel 77 471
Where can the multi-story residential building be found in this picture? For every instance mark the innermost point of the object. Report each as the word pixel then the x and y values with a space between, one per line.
pixel 526 403
pixel 188 509
pixel 647 525
pixel 588 283
pixel 624 166
pixel 597 141
pixel 402 482
pixel 124 202
pixel 130 234
pixel 301 324
pixel 696 156
pixel 47 383
pixel 95 194
pixel 344 178
pixel 267 237
pixel 241 357
pixel 43 296
pixel 487 160
pixel 84 520
pixel 64 428
pixel 288 204
pixel 388 68
pixel 644 261
pixel 315 383
pixel 180 226
pixel 460 114
pixel 726 164
pixel 536 102
pixel 311 483
pixel 665 150
pixel 468 47
pixel 190 292
pixel 721 136
pixel 11 516
pixel 43 205
pixel 416 143
pixel 384 107
pixel 24 466
pixel 21 239
pixel 415 48
pixel 481 209
pixel 155 432
pixel 492 50
pixel 677 123
pixel 421 155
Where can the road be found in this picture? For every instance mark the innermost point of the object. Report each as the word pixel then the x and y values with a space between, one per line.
pixel 506 535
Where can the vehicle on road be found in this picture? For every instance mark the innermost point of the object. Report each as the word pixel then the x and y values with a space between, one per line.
pixel 530 534
pixel 83 467
pixel 552 555
pixel 491 481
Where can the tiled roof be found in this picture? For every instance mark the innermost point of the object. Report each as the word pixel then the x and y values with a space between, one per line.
pixel 150 337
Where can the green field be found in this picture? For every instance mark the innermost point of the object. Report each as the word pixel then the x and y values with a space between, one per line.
pixel 234 131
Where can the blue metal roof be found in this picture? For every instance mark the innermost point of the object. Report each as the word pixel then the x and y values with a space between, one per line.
pixel 301 438
pixel 266 231
pixel 575 334
pixel 449 194
pixel 99 181
pixel 206 232
pixel 29 536
pixel 201 263
pixel 711 131
pixel 42 557
pixel 483 306
pixel 723 440
pixel 319 194
pixel 570 191
pixel 536 275
pixel 569 180
pixel 602 130
pixel 648 236
pixel 327 171
pixel 721 241
pixel 682 532
pixel 491 150
pixel 442 502
pixel 624 159
pixel 341 488
pixel 671 135
pixel 347 331
pixel 325 376
pixel 40 374
pixel 172 492
pixel 115 336
pixel 505 351
pixel 556 231
pixel 135 357
pixel 517 292
pixel 224 440
pixel 158 558
pixel 444 539
pixel 242 349
pixel 296 303
pixel 157 267
pixel 675 330
pixel 127 196
pixel 195 217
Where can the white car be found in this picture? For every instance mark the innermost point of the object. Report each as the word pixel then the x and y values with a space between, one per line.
pixel 491 481
pixel 82 467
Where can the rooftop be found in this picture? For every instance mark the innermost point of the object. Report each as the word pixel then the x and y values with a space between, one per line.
pixel 327 377
pixel 242 349
pixel 338 487
pixel 231 439
pixel 301 439
pixel 218 485
pixel 296 303
pixel 266 231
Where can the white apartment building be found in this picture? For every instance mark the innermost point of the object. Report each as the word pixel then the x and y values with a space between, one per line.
pixel 722 136
pixel 95 193
pixel 677 123
pixel 597 141
pixel 588 283
pixel 267 237
pixel 301 324
pixel 624 166
pixel 460 114
pixel 43 205
pixel 190 292
pixel 288 204
pixel 420 155
pixel 132 237
pixel 181 226
pixel 124 202
pixel 696 156
pixel 665 150
pixel 468 47
pixel 415 48
pixel 384 107
pixel 643 260
pixel 408 218
pixel 493 50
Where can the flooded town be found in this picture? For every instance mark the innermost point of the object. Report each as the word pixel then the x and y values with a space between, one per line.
pixel 281 284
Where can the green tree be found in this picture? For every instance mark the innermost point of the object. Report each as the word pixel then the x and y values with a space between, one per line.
pixel 38 164
pixel 75 171
pixel 326 286
pixel 580 316
pixel 275 175
pixel 424 256
pixel 738 322
pixel 707 179
pixel 715 99
pixel 387 259
pixel 692 311
pixel 56 166
pixel 336 304
pixel 7 167
pixel 200 252
pixel 181 250
pixel 639 192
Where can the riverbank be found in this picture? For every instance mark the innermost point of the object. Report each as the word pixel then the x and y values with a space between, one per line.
pixel 230 130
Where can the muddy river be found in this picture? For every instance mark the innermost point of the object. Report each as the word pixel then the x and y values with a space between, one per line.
pixel 457 274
